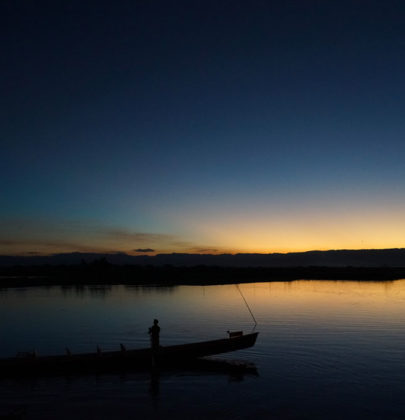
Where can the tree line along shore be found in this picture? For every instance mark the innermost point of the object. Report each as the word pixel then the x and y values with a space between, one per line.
pixel 102 272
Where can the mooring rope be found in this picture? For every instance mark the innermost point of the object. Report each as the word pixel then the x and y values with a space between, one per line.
pixel 247 305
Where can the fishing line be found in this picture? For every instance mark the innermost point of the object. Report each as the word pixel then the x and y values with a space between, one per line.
pixel 247 305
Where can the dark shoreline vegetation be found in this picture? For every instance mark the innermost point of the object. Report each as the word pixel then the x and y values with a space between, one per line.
pixel 175 269
pixel 103 273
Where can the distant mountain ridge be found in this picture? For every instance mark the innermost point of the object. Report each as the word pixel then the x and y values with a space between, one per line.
pixel 334 258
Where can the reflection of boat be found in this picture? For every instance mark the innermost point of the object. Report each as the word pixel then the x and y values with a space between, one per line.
pixel 30 364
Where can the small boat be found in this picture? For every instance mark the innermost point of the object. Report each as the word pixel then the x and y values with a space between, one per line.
pixel 99 362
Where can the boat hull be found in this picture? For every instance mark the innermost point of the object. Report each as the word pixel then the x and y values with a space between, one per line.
pixel 122 360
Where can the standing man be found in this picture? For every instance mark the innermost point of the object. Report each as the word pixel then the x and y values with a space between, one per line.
pixel 154 331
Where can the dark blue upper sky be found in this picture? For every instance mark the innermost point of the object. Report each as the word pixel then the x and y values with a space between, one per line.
pixel 189 125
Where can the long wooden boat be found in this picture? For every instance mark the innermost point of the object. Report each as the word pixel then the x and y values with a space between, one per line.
pixel 122 360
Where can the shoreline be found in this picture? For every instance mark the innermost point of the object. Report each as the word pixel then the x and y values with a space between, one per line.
pixel 108 274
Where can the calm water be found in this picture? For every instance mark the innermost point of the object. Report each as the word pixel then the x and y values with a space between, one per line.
pixel 325 350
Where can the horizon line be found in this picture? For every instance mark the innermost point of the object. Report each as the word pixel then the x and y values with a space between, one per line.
pixel 155 254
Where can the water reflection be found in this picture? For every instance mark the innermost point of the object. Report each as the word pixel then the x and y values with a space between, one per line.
pixel 103 396
pixel 84 291
pixel 80 317
pixel 103 290
pixel 327 349
pixel 151 289
pixel 154 386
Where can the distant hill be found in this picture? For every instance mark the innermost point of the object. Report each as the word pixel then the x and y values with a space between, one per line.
pixel 334 258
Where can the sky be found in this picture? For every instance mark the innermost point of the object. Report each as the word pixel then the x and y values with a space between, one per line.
pixel 201 126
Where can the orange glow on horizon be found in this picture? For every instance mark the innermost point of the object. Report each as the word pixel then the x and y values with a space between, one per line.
pixel 223 233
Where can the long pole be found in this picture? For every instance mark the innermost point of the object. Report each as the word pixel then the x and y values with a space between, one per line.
pixel 247 305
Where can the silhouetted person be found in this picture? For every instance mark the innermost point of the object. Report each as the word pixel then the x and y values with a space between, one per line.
pixel 154 331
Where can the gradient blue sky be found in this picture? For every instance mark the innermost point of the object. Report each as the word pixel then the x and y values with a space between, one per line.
pixel 202 126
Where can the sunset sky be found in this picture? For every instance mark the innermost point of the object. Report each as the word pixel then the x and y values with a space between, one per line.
pixel 202 126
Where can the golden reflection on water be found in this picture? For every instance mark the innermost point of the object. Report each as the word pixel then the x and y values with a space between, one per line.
pixel 323 298
pixel 79 318
pixel 320 295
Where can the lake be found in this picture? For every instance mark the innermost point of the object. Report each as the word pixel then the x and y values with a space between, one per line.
pixel 326 349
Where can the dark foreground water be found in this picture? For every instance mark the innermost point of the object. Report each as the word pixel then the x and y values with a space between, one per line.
pixel 326 350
